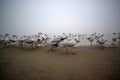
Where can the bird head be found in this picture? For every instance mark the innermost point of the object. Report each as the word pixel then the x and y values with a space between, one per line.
pixel 101 34
pixel 114 33
pixel 106 40
pixel 76 40
pixel 88 38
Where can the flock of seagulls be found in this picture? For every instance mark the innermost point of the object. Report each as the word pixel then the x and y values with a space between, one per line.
pixel 64 40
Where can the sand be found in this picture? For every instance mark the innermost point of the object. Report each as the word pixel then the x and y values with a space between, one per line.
pixel 44 64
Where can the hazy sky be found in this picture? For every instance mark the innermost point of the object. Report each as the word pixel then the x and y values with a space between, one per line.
pixel 58 16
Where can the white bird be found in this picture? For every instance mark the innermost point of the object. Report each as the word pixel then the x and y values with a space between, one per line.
pixel 21 41
pixel 6 41
pixel 1 39
pixel 118 37
pixel 41 40
pixel 55 42
pixel 114 40
pixel 101 40
pixel 30 40
pixel 38 40
pixel 91 38
pixel 69 42
pixel 14 38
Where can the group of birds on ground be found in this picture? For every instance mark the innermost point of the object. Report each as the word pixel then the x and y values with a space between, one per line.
pixel 64 40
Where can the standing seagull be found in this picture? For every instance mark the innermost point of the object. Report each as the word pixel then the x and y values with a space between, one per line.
pixel 91 38
pixel 1 39
pixel 101 40
pixel 55 42
pixel 21 41
pixel 6 41
pixel 114 40
pixel 118 37
pixel 30 40
pixel 69 43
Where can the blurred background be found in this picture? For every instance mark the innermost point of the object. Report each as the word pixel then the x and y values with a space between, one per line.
pixel 58 16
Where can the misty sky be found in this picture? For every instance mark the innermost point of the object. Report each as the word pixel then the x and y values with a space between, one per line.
pixel 58 16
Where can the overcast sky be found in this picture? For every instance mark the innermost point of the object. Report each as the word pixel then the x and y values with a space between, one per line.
pixel 58 16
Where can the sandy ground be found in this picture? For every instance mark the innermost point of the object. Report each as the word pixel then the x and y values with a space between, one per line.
pixel 43 64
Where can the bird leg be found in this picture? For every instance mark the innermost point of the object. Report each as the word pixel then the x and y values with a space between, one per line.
pixel 91 44
pixel 72 50
pixel 52 49
pixel 102 47
pixel 36 45
pixel 32 45
pixel 4 45
pixel 20 44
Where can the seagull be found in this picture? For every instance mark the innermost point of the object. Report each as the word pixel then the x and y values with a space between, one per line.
pixel 114 40
pixel 14 38
pixel 118 37
pixel 101 40
pixel 6 40
pixel 91 38
pixel 21 41
pixel 69 42
pixel 1 39
pixel 30 40
pixel 55 42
